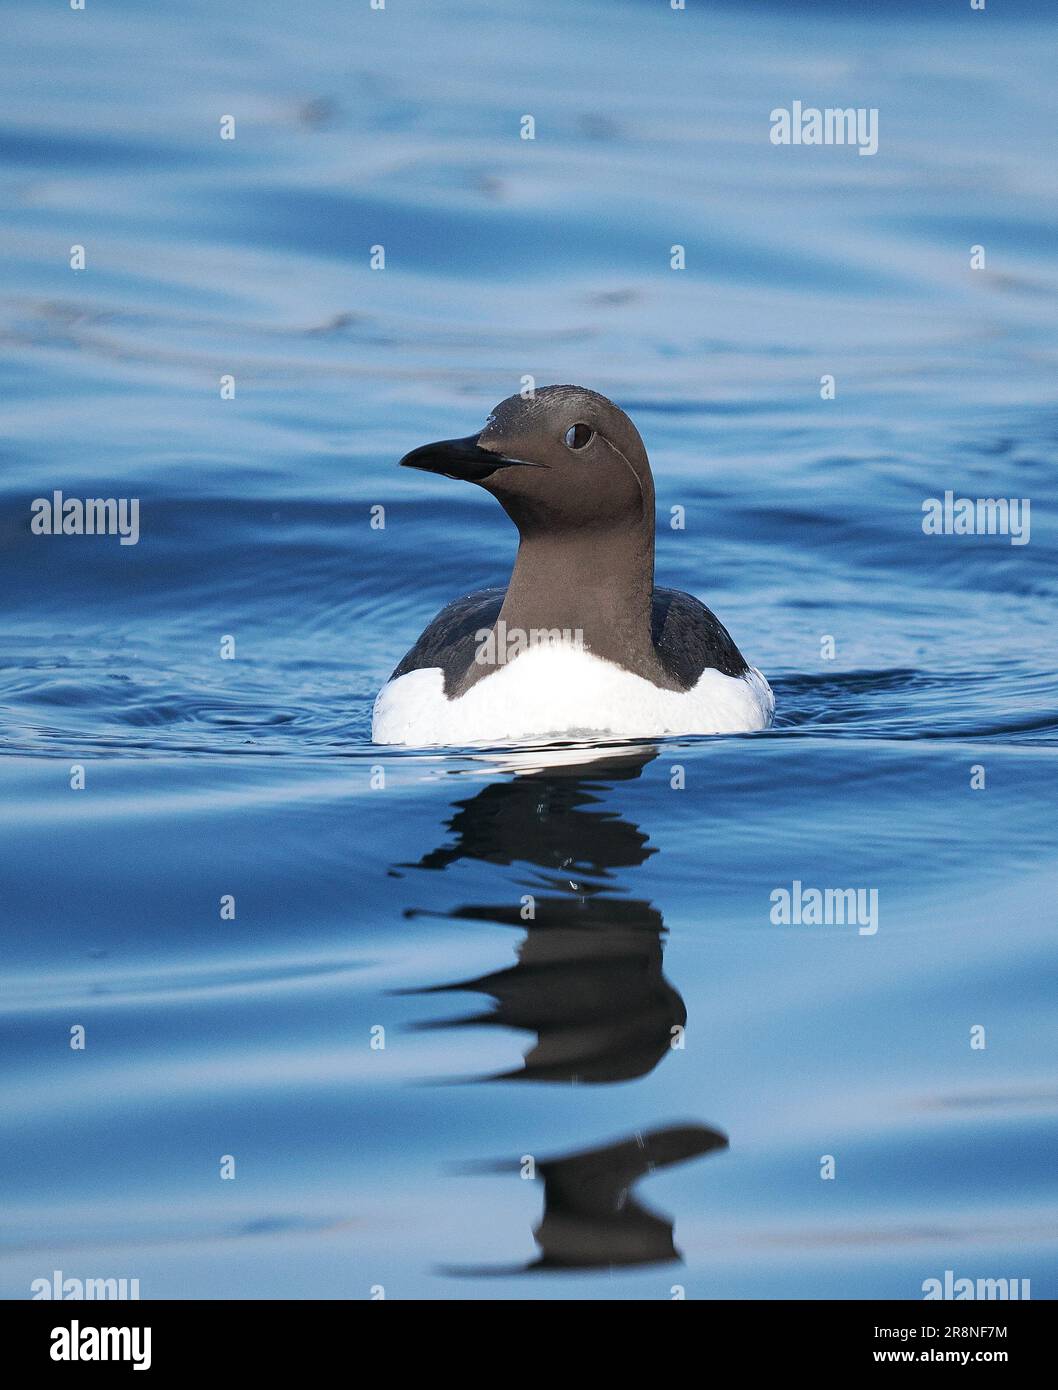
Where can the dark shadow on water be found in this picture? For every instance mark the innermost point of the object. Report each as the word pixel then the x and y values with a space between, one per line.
pixel 588 981
pixel 592 1219
pixel 550 817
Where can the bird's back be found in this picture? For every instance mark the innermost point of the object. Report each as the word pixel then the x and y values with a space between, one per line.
pixel 448 643
pixel 688 638
pixel 546 691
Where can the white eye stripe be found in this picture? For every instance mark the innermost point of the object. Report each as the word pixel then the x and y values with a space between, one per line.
pixel 578 436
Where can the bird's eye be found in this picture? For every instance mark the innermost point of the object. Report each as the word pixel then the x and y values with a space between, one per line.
pixel 579 435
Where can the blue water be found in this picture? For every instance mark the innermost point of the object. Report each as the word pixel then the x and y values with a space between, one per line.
pixel 360 906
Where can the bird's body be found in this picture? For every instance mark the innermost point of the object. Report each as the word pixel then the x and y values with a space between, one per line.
pixel 565 691
pixel 580 643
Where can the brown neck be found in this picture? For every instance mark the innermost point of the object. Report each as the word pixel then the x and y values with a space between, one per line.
pixel 596 586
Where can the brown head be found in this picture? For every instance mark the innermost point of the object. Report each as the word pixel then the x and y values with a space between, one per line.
pixel 562 460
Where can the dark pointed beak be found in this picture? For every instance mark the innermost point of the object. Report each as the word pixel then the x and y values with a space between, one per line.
pixel 460 458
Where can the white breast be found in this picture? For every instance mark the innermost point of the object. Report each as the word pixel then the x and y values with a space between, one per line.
pixel 561 692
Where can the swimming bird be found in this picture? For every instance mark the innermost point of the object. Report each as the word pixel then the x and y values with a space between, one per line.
pixel 580 643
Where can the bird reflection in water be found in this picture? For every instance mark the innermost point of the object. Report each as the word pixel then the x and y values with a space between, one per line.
pixel 592 1219
pixel 588 978
pixel 587 982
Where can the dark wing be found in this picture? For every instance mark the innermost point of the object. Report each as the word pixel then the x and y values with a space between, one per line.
pixel 448 642
pixel 688 638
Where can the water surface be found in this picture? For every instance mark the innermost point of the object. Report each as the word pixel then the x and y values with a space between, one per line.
pixel 532 932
